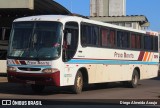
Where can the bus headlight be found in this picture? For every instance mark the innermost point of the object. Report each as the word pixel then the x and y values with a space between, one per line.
pixel 11 69
pixel 50 70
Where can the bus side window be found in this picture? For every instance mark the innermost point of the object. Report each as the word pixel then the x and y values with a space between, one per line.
pixel 112 38
pixel 133 41
pixel 155 43
pixel 148 42
pixel 138 41
pixel 104 36
pixel 120 39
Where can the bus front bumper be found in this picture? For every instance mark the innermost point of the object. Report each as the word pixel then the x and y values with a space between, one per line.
pixel 52 79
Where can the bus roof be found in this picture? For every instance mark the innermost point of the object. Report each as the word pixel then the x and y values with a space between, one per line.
pixel 64 18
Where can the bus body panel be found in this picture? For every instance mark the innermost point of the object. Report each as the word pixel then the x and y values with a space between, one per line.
pixel 102 64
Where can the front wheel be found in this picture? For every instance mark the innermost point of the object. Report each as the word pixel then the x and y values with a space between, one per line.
pixel 78 83
pixel 135 79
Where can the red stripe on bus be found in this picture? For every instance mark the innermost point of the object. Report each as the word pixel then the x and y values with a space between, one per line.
pixel 141 55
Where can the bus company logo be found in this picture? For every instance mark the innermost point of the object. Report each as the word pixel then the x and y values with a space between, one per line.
pixel 6 102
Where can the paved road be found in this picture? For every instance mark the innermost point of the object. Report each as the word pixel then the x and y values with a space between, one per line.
pixel 93 95
pixel 147 89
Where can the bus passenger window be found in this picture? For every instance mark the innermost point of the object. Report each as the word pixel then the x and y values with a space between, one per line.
pixel 119 39
pixel 133 41
pixel 148 42
pixel 85 35
pixel 90 35
pixel 104 34
pixel 95 36
pixel 138 41
pixel 155 43
pixel 112 38
pixel 125 41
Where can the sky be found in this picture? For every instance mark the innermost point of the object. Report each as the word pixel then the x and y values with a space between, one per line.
pixel 149 8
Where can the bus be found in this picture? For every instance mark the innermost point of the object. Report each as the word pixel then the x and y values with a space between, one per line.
pixel 4 37
pixel 72 51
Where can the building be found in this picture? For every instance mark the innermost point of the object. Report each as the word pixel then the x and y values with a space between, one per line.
pixel 139 22
pixel 114 12
pixel 107 7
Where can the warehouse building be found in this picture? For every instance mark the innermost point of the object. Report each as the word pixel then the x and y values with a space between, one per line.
pixel 114 12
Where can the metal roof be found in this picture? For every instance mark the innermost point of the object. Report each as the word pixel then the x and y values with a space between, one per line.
pixel 12 9
pixel 40 7
pixel 133 18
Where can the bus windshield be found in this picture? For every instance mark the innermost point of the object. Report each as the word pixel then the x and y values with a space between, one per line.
pixel 35 40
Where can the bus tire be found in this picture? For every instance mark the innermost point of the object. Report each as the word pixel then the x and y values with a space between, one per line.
pixel 37 88
pixel 135 79
pixel 78 83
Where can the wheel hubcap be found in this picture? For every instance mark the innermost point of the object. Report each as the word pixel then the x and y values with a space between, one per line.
pixel 135 79
pixel 79 83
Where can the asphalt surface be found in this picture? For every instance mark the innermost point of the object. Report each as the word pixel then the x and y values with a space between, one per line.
pixel 147 89
pixel 93 94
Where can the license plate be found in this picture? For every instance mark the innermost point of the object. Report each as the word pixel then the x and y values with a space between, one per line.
pixel 30 82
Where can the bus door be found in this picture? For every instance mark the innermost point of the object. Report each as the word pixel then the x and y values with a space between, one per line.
pixel 70 40
pixel 70 44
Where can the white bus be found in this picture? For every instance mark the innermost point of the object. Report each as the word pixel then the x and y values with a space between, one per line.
pixel 57 50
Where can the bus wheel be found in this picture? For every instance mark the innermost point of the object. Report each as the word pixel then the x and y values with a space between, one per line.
pixel 78 83
pixel 135 79
pixel 37 88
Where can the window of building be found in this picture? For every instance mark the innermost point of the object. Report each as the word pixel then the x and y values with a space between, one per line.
pixel 122 24
pixel 128 24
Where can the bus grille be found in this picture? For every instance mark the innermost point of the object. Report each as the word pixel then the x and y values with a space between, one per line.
pixel 29 69
pixel 31 78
